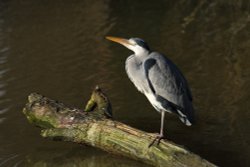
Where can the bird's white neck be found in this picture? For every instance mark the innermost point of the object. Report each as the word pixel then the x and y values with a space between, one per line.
pixel 138 50
pixel 141 52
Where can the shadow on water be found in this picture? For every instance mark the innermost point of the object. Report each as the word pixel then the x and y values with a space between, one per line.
pixel 58 48
pixel 79 157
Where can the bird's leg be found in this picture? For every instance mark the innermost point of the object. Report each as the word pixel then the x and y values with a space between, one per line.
pixel 161 135
pixel 162 123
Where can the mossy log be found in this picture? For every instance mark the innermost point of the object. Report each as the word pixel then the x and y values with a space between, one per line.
pixel 94 126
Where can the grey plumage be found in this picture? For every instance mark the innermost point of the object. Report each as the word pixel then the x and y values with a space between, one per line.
pixel 157 75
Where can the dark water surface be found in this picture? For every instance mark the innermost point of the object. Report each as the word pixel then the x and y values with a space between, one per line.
pixel 58 48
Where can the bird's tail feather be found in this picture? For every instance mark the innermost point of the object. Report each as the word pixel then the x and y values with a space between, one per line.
pixel 185 121
pixel 187 115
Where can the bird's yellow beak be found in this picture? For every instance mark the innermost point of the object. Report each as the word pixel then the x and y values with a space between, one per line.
pixel 119 40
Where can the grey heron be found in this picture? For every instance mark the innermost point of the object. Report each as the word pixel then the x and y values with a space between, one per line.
pixel 160 80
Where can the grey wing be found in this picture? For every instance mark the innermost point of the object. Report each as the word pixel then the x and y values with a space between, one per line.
pixel 167 81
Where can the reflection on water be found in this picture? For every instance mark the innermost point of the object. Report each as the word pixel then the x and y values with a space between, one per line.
pixel 78 156
pixel 4 106
pixel 58 48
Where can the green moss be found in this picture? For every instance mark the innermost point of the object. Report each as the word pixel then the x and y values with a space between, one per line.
pixel 46 121
pixel 90 105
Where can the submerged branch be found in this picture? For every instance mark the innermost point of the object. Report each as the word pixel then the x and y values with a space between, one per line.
pixel 94 127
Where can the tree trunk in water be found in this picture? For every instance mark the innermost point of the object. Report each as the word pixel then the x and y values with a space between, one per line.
pixel 95 127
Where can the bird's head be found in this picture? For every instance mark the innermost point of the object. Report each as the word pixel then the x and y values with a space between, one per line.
pixel 137 45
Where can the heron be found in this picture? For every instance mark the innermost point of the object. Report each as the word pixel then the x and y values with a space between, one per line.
pixel 160 80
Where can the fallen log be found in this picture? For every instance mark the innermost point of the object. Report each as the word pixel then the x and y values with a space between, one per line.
pixel 95 127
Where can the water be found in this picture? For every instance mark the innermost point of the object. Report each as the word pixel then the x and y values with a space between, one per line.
pixel 57 48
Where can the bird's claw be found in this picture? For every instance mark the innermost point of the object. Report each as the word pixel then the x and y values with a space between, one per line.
pixel 158 138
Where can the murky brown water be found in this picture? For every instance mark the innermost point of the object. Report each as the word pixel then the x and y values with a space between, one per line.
pixel 58 48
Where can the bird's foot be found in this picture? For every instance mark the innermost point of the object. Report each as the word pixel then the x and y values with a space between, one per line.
pixel 158 138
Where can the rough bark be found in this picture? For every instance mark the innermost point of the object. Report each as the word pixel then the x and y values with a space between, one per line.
pixel 94 126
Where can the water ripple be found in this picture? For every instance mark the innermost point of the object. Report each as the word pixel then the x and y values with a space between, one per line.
pixel 7 160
